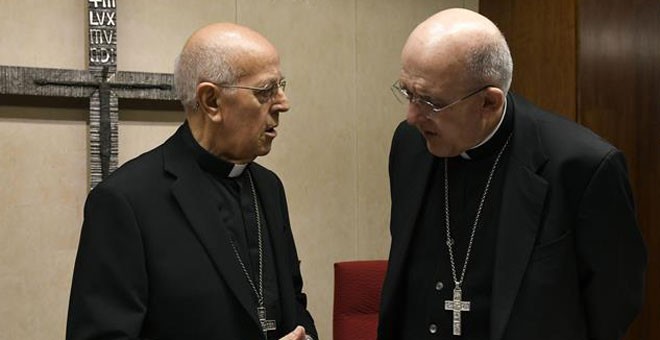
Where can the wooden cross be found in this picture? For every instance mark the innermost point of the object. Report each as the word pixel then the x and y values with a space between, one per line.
pixel 102 84
pixel 457 306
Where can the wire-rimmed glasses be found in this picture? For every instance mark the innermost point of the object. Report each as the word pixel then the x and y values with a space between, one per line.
pixel 264 94
pixel 404 96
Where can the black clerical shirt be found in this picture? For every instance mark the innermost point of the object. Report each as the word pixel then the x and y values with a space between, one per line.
pixel 428 282
pixel 235 194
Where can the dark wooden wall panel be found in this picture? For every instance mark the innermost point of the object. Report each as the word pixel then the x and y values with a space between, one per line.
pixel 544 59
pixel 619 98
pixel 598 62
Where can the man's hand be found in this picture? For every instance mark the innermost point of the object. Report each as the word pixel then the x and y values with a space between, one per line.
pixel 296 334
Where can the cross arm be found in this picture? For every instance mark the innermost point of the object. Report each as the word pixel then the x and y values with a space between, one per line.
pixel 15 80
pixel 22 85
pixel 142 85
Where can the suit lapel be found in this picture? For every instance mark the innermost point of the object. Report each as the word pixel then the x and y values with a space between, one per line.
pixel 194 193
pixel 523 199
pixel 412 180
pixel 271 202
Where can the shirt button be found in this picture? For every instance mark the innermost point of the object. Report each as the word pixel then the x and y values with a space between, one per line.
pixel 439 286
pixel 433 328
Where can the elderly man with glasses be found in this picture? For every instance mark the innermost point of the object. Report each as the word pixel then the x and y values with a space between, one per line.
pixel 192 239
pixel 507 222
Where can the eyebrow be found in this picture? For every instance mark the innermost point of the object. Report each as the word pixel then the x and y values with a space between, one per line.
pixel 427 98
pixel 274 79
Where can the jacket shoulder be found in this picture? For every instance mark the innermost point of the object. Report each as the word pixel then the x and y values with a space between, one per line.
pixel 138 175
pixel 560 137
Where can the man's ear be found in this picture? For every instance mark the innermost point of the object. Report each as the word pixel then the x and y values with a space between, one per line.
pixel 493 100
pixel 208 100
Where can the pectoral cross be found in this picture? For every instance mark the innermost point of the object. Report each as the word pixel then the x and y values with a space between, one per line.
pixel 457 306
pixel 266 325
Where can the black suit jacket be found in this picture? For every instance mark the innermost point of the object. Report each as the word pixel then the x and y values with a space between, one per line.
pixel 569 261
pixel 155 260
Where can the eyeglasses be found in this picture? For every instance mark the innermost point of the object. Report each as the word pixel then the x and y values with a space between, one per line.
pixel 264 94
pixel 403 95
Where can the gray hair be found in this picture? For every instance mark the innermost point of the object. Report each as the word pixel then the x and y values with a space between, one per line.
pixel 490 63
pixel 201 62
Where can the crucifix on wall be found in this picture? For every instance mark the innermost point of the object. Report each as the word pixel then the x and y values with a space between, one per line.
pixel 102 84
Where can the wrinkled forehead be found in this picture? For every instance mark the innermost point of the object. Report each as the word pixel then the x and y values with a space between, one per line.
pixel 436 62
pixel 263 64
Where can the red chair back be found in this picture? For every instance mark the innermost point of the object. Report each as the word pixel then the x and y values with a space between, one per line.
pixel 357 299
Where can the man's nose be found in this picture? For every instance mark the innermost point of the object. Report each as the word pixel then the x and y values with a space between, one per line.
pixel 281 101
pixel 414 113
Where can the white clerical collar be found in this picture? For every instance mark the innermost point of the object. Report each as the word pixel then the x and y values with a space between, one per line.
pixel 237 170
pixel 464 154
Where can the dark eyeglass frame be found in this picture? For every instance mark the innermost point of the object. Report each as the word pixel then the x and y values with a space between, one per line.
pixel 263 94
pixel 399 91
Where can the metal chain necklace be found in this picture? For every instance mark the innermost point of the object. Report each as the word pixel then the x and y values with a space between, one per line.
pixel 456 305
pixel 266 325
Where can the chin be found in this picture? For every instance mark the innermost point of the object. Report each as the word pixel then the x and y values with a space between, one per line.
pixel 263 151
pixel 438 150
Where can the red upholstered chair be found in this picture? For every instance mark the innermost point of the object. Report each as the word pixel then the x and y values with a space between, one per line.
pixel 357 299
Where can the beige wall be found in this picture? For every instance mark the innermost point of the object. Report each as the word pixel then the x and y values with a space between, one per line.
pixel 340 56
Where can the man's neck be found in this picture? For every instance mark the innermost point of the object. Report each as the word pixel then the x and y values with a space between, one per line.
pixel 490 135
